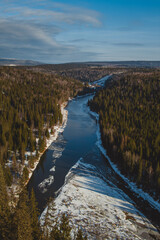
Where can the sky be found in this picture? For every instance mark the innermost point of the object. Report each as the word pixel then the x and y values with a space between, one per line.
pixel 78 31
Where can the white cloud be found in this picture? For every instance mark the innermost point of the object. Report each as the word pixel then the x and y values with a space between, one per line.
pixel 64 14
pixel 31 31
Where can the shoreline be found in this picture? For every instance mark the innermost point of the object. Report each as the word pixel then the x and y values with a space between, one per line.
pixel 88 195
pixel 59 128
pixel 84 197
pixel 155 204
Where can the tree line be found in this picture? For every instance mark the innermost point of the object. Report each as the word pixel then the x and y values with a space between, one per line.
pixel 129 110
pixel 19 222
pixel 29 107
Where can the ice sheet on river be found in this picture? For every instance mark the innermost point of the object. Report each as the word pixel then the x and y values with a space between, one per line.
pixel 43 186
pixel 102 210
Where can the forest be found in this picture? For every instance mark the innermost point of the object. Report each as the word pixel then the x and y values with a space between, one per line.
pixel 29 108
pixel 21 221
pixel 129 111
pixel 84 72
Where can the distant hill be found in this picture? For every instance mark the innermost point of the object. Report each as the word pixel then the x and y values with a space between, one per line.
pixel 150 64
pixel 71 65
pixel 64 66
pixel 15 62
pixel 92 71
pixel 126 64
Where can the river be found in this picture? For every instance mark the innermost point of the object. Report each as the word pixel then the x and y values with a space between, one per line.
pixel 79 140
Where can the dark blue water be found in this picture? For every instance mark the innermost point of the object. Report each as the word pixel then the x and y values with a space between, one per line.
pixel 77 141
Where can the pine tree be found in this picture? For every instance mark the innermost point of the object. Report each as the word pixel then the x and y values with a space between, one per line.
pixel 31 141
pixel 14 162
pixel 22 219
pixel 8 176
pixel 79 235
pixel 36 231
pixel 48 224
pixel 47 133
pixel 65 228
pixel 25 174
pixel 5 214
pixel 55 233
pixel 140 168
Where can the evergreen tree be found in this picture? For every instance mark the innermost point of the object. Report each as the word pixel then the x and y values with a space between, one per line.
pixel 8 176
pixel 5 213
pixel 65 228
pixel 22 219
pixel 129 123
pixel 140 167
pixel 55 233
pixel 25 174
pixel 14 162
pixel 36 231
pixel 79 235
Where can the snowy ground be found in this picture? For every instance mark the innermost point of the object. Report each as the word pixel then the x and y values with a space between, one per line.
pixel 101 82
pixel 15 187
pixel 98 207
pixel 57 129
pixel 133 186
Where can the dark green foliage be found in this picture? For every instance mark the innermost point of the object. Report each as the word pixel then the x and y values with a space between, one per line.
pixel 25 174
pixel 29 104
pixel 80 235
pixel 129 109
pixel 22 219
pixel 65 228
pixel 5 213
pixel 36 230
pixel 42 143
pixel 47 133
pixel 62 230
pixel 55 233
pixel 8 176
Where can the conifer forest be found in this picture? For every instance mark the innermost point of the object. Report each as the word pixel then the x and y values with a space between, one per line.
pixel 129 109
pixel 128 106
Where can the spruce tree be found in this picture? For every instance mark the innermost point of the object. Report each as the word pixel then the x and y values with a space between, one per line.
pixel 65 228
pixel 5 214
pixel 55 233
pixel 22 219
pixel 36 231
pixel 79 235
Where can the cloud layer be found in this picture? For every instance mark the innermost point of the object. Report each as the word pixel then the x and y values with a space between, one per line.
pixel 30 33
pixel 54 32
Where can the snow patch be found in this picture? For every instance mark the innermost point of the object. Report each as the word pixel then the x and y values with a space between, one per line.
pixel 53 169
pixel 132 185
pixel 58 129
pixel 43 186
pixel 103 211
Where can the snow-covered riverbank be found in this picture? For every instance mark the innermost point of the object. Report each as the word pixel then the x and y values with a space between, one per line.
pixel 98 207
pixel 133 186
pixel 59 128
pixel 94 203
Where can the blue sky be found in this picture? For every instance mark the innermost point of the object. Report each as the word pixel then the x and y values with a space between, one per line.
pixel 73 31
